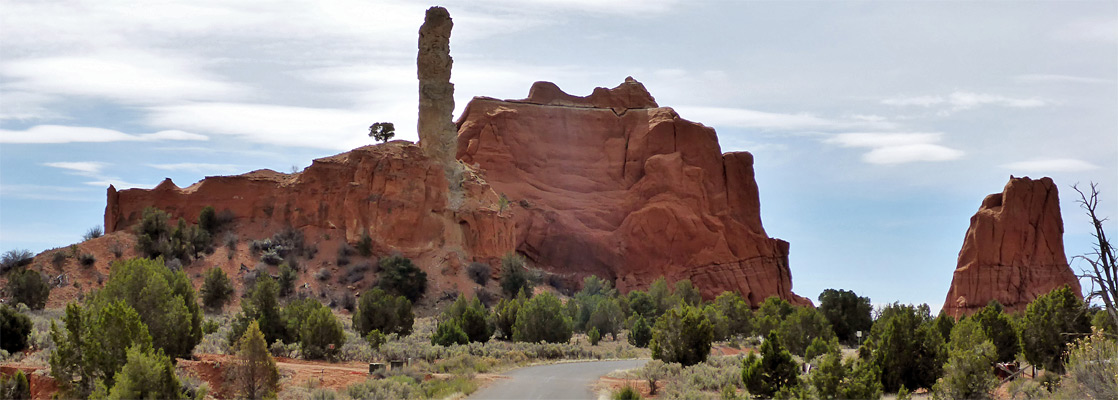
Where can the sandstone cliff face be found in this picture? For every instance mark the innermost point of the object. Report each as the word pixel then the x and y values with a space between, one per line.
pixel 614 185
pixel 394 192
pixel 1013 251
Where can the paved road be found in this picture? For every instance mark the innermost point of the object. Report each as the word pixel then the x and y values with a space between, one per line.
pixel 567 381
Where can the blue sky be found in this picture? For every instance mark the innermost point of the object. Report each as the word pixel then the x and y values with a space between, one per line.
pixel 878 127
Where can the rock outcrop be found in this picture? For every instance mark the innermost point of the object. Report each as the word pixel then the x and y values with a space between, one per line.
pixel 614 185
pixel 436 94
pixel 1013 251
pixel 393 192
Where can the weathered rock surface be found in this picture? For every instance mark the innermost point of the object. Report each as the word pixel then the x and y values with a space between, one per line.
pixel 614 185
pixel 393 192
pixel 1013 251
pixel 437 133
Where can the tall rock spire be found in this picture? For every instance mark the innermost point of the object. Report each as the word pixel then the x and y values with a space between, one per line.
pixel 437 132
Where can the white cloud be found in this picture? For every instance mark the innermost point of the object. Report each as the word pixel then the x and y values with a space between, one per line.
pixel 195 167
pixel 1051 165
pixel 1103 29
pixel 897 148
pixel 324 128
pixel 81 134
pixel 46 192
pixel 745 118
pixel 127 76
pixel 1056 78
pixel 961 100
pixel 84 168
pixel 26 106
pixel 93 170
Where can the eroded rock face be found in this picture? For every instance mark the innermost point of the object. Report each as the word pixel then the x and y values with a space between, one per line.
pixel 436 94
pixel 393 192
pixel 1013 251
pixel 614 185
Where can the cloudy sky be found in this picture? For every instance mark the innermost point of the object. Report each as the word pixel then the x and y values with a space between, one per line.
pixel 878 127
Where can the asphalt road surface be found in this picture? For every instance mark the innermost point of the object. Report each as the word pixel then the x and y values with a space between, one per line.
pixel 567 381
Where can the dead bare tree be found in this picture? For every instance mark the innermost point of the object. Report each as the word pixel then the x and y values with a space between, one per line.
pixel 1104 267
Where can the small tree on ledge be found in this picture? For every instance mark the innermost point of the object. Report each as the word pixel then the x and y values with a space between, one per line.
pixel 382 131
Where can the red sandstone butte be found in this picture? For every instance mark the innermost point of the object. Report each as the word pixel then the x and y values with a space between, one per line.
pixel 1013 251
pixel 614 185
pixel 393 192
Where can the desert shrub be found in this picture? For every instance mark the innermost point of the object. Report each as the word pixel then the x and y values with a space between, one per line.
pixel 365 245
pixel 448 333
pixel 87 259
pixel 682 335
pixel 801 327
pixel 116 249
pixel 968 373
pixel 998 328
pixel 322 274
pixel 944 324
pixel 819 347
pixel 261 306
pixel 656 370
pixel 400 276
pixel 1092 367
pixel 641 333
pixel 207 220
pixel 58 259
pixel 13 259
pixel 626 393
pixel 772 372
pixel 375 339
pixel 347 301
pixel 594 336
pixel 1050 323
pixel 15 386
pixel 607 318
pixel 145 375
pixel 321 334
pixel 92 344
pixel 640 303
pixel 397 387
pixel 686 293
pixel 1101 320
pixel 846 312
pixel 254 372
pixel 541 318
pixel 271 257
pixel 15 328
pixel 771 313
pixel 479 272
pixel 216 289
pixel 485 296
pixel 905 344
pixel 286 280
pixel 470 316
pixel 165 301
pixel 852 379
pixel 504 316
pixel 93 233
pixel 739 317
pixel 383 312
pixel 355 273
pixel 514 275
pixel 28 287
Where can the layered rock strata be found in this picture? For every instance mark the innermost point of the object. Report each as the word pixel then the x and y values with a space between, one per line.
pixel 393 192
pixel 1013 251
pixel 612 184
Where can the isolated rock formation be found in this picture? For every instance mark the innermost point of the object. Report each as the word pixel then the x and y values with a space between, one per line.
pixel 393 192
pixel 614 185
pixel 436 94
pixel 1013 251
